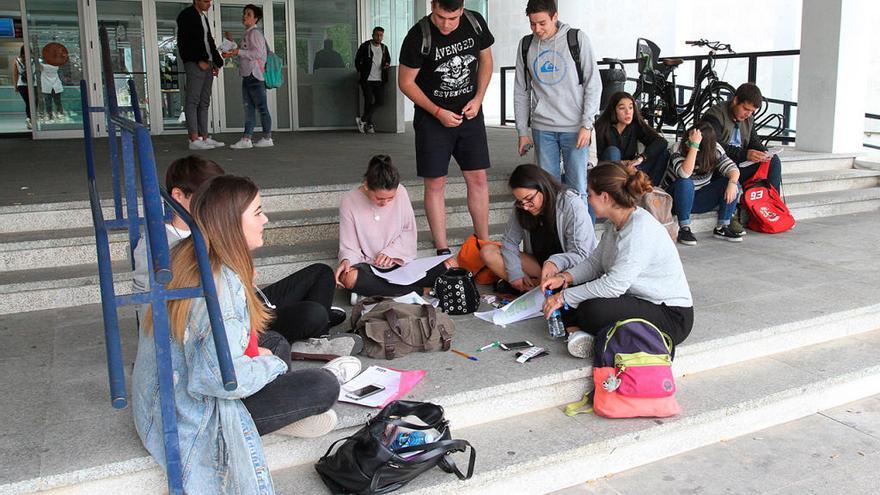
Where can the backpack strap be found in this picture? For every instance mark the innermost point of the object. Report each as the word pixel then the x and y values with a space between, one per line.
pixel 524 46
pixel 425 26
pixel 474 22
pixel 574 48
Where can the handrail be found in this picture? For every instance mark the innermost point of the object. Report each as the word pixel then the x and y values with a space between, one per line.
pixel 137 150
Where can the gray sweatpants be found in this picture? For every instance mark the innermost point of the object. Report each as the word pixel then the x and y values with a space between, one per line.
pixel 198 98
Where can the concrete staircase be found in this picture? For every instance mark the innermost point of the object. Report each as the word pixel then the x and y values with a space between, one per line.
pixel 795 333
pixel 47 253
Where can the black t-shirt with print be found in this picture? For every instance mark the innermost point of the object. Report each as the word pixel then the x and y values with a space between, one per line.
pixel 448 75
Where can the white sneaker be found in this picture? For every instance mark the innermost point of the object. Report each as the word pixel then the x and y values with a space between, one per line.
pixel 200 145
pixel 27 122
pixel 354 298
pixel 361 125
pixel 580 344
pixel 264 143
pixel 371 129
pixel 313 426
pixel 214 143
pixel 242 144
pixel 345 368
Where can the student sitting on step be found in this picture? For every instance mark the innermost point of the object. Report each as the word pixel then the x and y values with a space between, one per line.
pixel 635 272
pixel 219 429
pixel 553 225
pixel 377 227
pixel 300 302
pixel 703 178
pixel 620 129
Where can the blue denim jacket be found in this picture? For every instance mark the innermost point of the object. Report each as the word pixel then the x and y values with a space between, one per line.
pixel 220 448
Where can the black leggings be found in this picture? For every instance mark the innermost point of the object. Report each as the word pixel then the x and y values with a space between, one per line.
pixel 370 284
pixel 292 396
pixel 302 301
pixel 594 315
pixel 25 95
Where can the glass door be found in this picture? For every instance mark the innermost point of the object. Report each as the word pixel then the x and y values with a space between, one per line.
pixel 124 21
pixel 326 41
pixel 172 77
pixel 53 36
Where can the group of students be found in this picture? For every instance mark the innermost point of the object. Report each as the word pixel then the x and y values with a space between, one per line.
pixel 634 271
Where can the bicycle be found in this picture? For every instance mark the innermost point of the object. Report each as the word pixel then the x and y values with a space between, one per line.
pixel 655 92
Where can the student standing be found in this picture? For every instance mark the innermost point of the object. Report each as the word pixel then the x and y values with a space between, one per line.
pixel 445 68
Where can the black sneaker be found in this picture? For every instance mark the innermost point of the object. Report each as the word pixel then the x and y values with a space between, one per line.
pixel 443 251
pixel 337 315
pixel 726 234
pixel 686 237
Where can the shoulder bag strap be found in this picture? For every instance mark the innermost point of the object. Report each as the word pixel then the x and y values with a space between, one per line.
pixel 432 451
pixel 445 338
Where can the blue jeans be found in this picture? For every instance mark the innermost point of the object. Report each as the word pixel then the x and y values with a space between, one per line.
pixel 685 200
pixel 654 169
pixel 551 146
pixel 253 92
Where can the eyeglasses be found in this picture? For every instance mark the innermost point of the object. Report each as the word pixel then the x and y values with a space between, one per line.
pixel 528 200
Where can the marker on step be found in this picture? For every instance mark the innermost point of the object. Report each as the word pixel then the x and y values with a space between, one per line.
pixel 489 346
pixel 466 356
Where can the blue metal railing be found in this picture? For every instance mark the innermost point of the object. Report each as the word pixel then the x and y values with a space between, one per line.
pixel 137 161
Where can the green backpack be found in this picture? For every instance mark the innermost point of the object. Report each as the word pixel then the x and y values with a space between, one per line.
pixel 274 73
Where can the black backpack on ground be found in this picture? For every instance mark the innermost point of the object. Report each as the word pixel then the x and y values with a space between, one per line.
pixel 364 463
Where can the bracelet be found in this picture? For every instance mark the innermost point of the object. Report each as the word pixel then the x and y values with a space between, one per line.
pixel 437 112
pixel 693 145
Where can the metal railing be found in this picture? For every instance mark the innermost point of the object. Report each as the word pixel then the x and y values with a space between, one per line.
pixel 784 132
pixel 137 161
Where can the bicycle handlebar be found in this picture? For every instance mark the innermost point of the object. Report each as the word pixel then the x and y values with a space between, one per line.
pixel 712 45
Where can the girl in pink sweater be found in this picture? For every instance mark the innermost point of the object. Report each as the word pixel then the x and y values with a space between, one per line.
pixel 377 226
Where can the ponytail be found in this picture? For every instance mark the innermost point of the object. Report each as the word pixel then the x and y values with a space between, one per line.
pixel 623 184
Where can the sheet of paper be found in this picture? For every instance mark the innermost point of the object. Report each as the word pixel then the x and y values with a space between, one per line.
pixel 396 382
pixel 526 306
pixel 412 271
pixel 772 151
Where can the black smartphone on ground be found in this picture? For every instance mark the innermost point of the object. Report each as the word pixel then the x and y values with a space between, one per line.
pixel 365 392
pixel 523 344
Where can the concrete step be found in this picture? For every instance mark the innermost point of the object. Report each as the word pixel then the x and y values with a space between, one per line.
pixel 546 451
pixel 773 375
pixel 35 289
pixel 799 183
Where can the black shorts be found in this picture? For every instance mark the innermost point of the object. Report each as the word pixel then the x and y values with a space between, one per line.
pixel 435 144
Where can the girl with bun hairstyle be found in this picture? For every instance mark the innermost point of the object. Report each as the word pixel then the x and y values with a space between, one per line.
pixel 377 227
pixel 635 272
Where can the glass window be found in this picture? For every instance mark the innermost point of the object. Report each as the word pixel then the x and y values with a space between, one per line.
pixel 279 44
pixel 396 17
pixel 481 6
pixel 125 29
pixel 326 41
pixel 171 73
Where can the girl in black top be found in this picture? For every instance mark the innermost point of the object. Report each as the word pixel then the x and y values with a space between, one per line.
pixel 619 130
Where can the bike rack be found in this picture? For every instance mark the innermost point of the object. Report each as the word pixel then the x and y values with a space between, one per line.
pixel 138 161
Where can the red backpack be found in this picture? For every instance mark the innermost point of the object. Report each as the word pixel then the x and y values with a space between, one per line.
pixel 767 211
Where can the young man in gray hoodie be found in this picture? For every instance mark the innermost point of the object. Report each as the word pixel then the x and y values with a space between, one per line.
pixel 550 95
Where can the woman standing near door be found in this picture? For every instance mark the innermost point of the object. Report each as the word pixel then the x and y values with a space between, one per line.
pixel 252 64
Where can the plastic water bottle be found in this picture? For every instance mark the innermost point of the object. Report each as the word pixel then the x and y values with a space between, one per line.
pixel 409 439
pixel 554 324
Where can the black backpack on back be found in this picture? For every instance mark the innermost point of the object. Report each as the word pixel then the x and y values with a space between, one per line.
pixel 425 25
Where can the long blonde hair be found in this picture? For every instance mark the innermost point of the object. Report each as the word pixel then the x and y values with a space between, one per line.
pixel 217 209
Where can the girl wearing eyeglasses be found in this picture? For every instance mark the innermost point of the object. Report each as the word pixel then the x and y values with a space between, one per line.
pixel 552 223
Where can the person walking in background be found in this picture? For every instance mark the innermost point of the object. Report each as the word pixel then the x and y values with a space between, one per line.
pixel 202 63
pixel 371 61
pixel 251 54
pixel 557 93
pixel 19 75
pixel 447 81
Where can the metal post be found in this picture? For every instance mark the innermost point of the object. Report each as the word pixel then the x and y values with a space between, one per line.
pixel 152 198
pixel 503 75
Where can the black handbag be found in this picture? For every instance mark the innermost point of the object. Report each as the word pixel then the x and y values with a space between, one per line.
pixel 457 291
pixel 364 464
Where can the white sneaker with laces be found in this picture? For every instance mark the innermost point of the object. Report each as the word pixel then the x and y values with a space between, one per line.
pixel 360 125
pixel 200 145
pixel 214 143
pixel 345 368
pixel 580 344
pixel 312 426
pixel 242 144
pixel 264 143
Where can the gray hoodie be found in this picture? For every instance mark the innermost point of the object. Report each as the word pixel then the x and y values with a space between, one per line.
pixel 553 99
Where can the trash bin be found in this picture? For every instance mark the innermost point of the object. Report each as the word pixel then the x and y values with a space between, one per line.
pixel 613 80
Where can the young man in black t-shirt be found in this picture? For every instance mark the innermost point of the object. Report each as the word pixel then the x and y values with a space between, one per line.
pixel 447 86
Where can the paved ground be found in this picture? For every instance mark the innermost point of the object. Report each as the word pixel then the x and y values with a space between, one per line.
pixel 834 451
pixel 54 387
pixel 55 169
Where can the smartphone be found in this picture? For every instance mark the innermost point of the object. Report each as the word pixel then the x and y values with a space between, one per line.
pixel 526 149
pixel 525 344
pixel 365 392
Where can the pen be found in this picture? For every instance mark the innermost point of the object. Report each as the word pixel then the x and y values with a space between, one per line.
pixel 467 356
pixel 489 346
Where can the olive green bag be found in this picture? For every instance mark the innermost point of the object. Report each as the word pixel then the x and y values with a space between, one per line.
pixel 392 329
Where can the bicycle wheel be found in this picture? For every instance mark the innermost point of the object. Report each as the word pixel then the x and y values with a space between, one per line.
pixel 710 96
